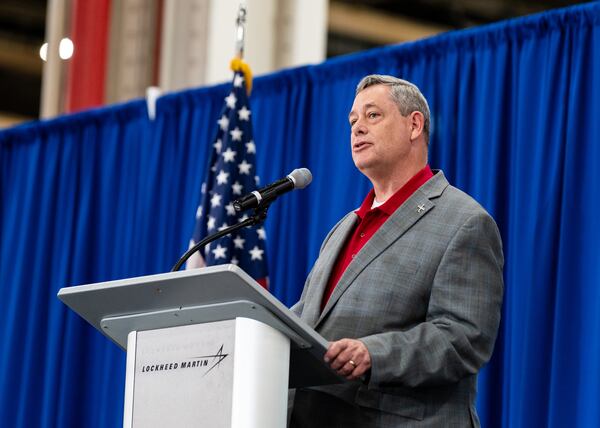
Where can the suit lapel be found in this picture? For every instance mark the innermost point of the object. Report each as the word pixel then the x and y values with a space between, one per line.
pixel 323 267
pixel 415 207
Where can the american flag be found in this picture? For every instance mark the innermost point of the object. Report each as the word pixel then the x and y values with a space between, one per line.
pixel 231 174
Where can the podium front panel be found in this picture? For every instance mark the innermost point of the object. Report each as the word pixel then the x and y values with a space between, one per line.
pixel 230 374
pixel 184 376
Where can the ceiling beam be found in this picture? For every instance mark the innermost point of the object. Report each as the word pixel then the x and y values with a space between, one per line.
pixel 20 56
pixel 376 27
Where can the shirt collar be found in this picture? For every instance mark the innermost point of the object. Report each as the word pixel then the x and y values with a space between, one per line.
pixel 401 195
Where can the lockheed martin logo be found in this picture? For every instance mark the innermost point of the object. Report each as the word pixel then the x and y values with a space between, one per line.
pixel 216 358
pixel 208 361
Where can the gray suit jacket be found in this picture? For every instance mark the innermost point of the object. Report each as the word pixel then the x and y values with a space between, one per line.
pixel 424 294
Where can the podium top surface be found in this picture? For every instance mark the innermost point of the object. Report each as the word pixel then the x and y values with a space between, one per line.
pixel 197 296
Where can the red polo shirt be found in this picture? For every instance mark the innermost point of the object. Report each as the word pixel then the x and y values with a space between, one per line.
pixel 369 221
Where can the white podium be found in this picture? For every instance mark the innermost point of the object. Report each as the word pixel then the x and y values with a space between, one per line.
pixel 207 347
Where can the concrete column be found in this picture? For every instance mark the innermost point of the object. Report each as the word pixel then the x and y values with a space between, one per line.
pixel 52 98
pixel 133 29
pixel 301 31
pixel 185 31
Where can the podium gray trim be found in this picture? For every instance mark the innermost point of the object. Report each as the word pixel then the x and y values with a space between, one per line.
pixel 198 296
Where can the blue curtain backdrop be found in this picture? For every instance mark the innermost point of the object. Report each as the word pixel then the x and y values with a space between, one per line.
pixel 108 194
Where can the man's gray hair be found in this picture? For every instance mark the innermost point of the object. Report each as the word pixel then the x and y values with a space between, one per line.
pixel 406 95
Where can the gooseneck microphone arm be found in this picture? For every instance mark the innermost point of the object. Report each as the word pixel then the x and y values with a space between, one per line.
pixel 260 214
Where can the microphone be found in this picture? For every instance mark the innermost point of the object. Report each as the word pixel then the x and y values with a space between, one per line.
pixel 297 179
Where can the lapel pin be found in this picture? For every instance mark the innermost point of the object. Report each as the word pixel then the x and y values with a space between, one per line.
pixel 420 208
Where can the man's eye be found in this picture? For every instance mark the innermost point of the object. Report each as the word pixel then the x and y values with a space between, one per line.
pixel 372 115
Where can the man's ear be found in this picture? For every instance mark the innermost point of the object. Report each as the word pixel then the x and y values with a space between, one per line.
pixel 417 122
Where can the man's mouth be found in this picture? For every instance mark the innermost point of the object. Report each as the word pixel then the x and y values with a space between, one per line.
pixel 360 145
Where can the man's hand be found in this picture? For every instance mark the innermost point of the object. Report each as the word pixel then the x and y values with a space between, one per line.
pixel 349 357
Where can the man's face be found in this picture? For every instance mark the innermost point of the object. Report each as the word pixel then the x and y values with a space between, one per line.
pixel 380 135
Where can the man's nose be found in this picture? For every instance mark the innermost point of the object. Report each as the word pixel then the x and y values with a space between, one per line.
pixel 359 128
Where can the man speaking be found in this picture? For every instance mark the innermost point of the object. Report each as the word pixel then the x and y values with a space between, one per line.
pixel 408 288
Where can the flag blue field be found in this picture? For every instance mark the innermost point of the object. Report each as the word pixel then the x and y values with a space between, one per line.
pixel 230 175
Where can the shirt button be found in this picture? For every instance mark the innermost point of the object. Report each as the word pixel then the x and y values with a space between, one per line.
pixel 353 255
pixel 362 235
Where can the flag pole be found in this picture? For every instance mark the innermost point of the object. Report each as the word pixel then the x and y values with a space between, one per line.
pixel 237 63
pixel 240 31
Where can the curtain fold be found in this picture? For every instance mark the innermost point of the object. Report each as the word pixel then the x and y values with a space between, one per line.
pixel 108 194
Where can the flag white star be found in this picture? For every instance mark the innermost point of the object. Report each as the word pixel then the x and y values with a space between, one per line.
pixel 235 261
pixel 215 201
pixel 231 100
pixel 245 167
pixel 238 242
pixel 256 253
pixel 251 147
pixel 222 177
pixel 229 155
pixel 244 114
pixel 243 218
pixel 199 211
pixel 211 222
pixel 230 209
pixel 223 122
pixel 238 80
pixel 218 145
pixel 237 188
pixel 214 168
pixel 223 227
pixel 261 233
pixel 236 134
pixel 219 252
